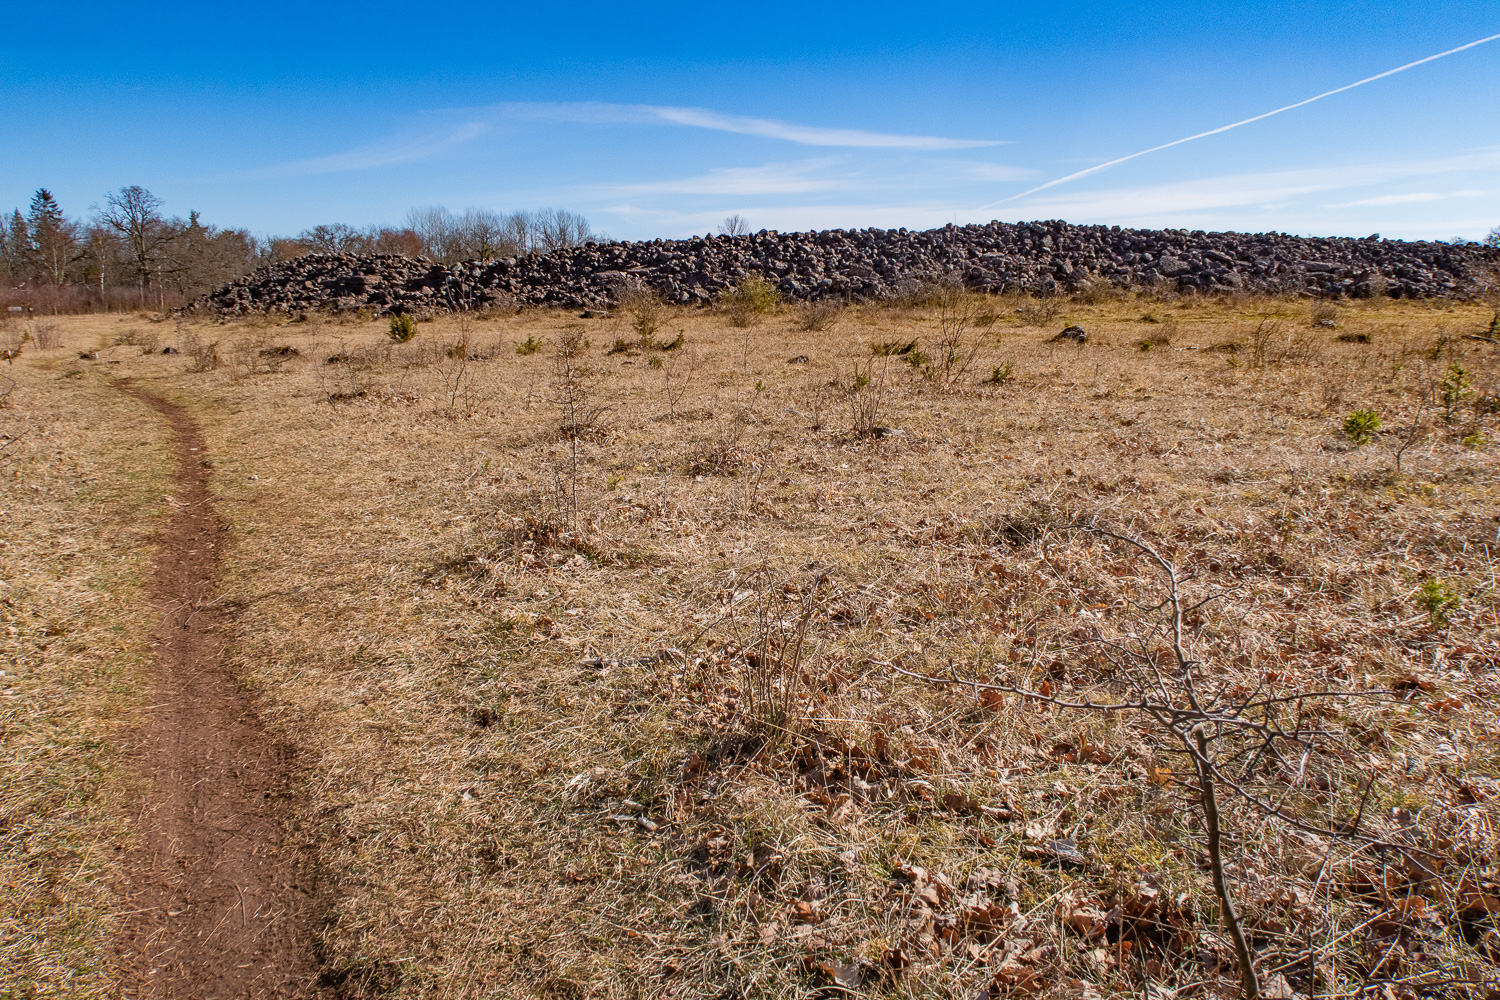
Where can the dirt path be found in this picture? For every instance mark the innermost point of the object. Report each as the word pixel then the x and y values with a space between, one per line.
pixel 213 908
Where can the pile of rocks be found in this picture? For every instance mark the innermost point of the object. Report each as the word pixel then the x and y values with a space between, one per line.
pixel 868 264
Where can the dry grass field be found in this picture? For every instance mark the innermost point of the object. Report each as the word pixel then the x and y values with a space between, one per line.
pixel 596 649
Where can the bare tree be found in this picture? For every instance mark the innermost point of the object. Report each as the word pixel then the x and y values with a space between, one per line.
pixel 198 257
pixel 388 239
pixel 334 238
pixel 734 225
pixel 135 215
pixel 438 229
pixel 103 256
pixel 558 229
pixel 479 234
pixel 485 235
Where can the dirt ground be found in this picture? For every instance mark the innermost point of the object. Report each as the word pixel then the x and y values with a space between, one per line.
pixel 585 656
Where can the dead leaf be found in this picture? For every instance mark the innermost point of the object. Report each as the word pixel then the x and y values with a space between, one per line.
pixel 805 912
pixel 1087 921
pixel 845 975
pixel 1277 988
pixel 957 802
pixel 1014 978
pixel 1065 849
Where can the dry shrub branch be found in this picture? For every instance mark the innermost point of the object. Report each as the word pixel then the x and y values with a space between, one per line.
pixel 1235 736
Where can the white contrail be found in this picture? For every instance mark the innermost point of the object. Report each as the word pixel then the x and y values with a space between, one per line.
pixel 1247 121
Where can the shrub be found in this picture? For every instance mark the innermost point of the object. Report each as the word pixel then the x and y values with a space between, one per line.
pixel 750 300
pixel 529 346
pixel 820 315
pixel 1439 599
pixel 1360 425
pixel 1038 312
pixel 1457 385
pixel 645 308
pixel 957 311
pixel 47 336
pixel 1162 339
pixel 403 327
pixel 1263 339
pixel 203 356
pixel 1001 374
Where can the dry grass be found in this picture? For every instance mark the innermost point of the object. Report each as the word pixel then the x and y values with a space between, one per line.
pixel 559 757
pixel 82 486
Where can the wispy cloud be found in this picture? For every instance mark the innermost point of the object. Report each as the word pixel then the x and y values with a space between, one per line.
pixel 1246 121
pixel 389 152
pixel 806 135
pixel 602 113
pixel 1412 198
pixel 1262 189
pixel 806 177
pixel 843 173
pixel 468 124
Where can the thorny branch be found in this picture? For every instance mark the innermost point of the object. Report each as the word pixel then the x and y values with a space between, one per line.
pixel 1170 695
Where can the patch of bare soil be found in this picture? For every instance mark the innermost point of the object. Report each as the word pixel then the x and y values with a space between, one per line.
pixel 212 903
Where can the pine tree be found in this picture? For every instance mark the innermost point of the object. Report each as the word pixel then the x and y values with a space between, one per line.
pixel 52 237
pixel 15 248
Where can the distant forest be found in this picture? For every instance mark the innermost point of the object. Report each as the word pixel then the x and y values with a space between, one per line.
pixel 129 254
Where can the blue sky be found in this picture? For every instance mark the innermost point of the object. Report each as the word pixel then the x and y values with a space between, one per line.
pixel 660 119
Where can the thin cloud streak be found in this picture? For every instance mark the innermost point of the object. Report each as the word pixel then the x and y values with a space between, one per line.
pixel 1413 198
pixel 830 173
pixel 383 154
pixel 776 178
pixel 808 135
pixel 1254 189
pixel 602 113
pixel 1264 196
pixel 481 120
pixel 1266 192
pixel 1225 128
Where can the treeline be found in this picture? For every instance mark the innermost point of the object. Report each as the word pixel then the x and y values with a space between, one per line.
pixel 130 255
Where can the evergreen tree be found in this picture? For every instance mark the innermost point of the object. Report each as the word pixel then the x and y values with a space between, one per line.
pixel 15 249
pixel 53 239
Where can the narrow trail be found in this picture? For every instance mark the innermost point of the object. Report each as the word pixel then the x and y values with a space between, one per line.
pixel 213 908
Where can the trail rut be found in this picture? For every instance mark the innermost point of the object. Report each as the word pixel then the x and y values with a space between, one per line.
pixel 213 906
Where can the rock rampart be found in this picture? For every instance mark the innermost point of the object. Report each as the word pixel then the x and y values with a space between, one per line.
pixel 869 265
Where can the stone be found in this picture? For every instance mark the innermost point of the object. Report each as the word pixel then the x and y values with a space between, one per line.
pixel 1038 258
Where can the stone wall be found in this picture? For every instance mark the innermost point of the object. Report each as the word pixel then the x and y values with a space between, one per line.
pixel 867 265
